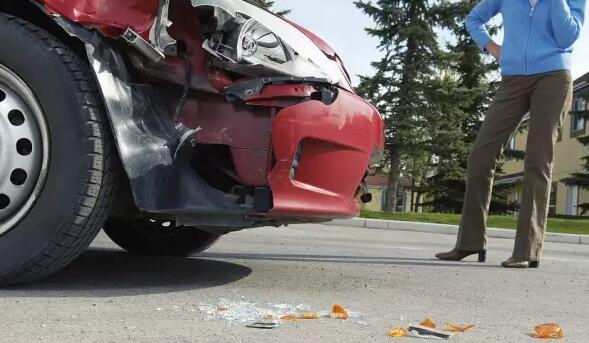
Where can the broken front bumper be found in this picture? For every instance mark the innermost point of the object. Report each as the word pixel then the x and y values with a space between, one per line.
pixel 310 164
pixel 263 151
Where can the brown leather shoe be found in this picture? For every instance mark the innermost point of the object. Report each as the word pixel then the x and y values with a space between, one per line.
pixel 520 264
pixel 459 255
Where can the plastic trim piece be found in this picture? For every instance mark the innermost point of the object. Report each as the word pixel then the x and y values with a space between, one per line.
pixel 249 88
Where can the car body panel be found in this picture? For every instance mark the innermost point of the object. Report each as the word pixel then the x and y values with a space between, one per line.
pixel 245 129
pixel 322 127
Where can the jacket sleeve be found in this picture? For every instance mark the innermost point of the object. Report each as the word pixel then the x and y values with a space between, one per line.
pixel 479 17
pixel 567 21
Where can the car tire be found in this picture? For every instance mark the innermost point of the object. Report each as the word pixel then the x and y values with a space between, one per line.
pixel 77 176
pixel 158 237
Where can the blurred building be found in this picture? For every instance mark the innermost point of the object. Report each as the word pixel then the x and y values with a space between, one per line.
pixel 377 185
pixel 564 199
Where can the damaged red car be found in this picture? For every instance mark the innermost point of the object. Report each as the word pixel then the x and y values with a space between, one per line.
pixel 168 123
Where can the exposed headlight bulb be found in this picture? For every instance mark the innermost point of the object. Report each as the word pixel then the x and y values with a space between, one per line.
pixel 249 46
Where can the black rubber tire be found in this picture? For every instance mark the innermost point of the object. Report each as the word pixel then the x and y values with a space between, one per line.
pixel 75 200
pixel 142 236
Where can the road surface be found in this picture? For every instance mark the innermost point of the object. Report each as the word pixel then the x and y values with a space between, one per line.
pixel 387 278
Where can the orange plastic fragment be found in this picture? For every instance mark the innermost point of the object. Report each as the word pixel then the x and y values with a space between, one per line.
pixel 455 328
pixel 339 312
pixel 289 317
pixel 428 323
pixel 550 330
pixel 398 332
pixel 309 316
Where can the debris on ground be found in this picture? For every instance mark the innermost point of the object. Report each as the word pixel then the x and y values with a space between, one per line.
pixel 459 329
pixel 398 332
pixel 427 328
pixel 266 325
pixel 288 317
pixel 264 317
pixel 304 316
pixel 427 332
pixel 243 311
pixel 309 316
pixel 548 331
pixel 339 312
pixel 273 316
pixel 428 323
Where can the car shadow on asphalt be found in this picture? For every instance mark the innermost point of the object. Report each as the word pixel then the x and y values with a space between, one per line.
pixel 113 273
pixel 396 261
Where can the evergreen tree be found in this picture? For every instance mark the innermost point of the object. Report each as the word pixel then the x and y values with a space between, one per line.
pixel 403 76
pixel 444 185
pixel 461 97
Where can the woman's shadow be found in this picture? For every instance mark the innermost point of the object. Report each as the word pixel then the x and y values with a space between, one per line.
pixel 112 273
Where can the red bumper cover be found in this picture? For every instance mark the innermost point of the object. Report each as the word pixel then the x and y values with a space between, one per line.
pixel 333 145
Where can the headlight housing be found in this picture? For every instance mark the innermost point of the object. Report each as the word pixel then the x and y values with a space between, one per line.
pixel 252 49
pixel 254 42
pixel 260 44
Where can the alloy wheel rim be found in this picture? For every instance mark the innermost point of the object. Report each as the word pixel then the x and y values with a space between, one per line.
pixel 24 149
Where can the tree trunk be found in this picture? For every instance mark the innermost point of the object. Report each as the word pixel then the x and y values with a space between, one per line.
pixel 413 204
pixel 418 201
pixel 394 173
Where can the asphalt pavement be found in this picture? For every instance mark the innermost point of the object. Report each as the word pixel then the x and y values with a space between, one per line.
pixel 386 278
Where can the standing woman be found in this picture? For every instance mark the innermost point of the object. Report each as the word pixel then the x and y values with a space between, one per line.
pixel 535 63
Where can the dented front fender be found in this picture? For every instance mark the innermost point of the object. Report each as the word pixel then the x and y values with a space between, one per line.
pixel 110 17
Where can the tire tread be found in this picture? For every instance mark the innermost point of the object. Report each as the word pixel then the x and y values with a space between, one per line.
pixel 93 204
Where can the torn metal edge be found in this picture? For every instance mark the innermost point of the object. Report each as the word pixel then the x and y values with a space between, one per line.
pixel 158 35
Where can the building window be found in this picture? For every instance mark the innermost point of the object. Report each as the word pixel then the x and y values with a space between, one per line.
pixel 579 107
pixel 401 200
pixel 572 200
pixel 515 196
pixel 581 104
pixel 553 198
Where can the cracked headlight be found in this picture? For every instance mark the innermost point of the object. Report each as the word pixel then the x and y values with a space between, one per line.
pixel 254 42
pixel 257 42
pixel 254 50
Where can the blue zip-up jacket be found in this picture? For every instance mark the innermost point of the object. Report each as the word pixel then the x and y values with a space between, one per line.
pixel 537 39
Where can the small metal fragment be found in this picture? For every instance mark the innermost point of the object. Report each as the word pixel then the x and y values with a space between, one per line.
pixel 428 333
pixel 143 46
pixel 264 325
pixel 187 138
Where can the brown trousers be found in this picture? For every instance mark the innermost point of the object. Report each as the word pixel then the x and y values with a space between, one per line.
pixel 547 97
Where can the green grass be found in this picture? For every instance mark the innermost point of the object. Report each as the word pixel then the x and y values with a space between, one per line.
pixel 576 226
